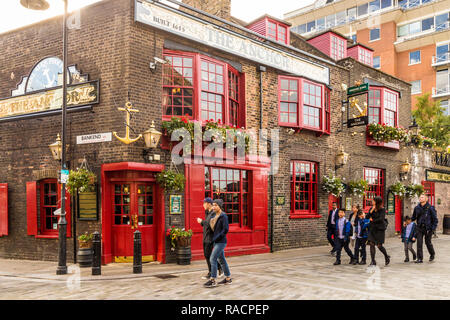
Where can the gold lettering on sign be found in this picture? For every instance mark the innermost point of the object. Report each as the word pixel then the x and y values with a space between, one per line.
pixel 48 100
pixel 438 176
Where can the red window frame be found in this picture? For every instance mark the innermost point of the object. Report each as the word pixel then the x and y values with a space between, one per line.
pixel 429 188
pixel 204 90
pixel 277 31
pixel 375 178
pixel 365 56
pixel 304 189
pixel 288 97
pixel 234 190
pixel 385 111
pixel 337 48
pixel 45 207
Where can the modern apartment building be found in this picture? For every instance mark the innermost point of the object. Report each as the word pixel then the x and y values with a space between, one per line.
pixel 410 38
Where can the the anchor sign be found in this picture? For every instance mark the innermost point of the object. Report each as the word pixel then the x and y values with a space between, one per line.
pixel 128 108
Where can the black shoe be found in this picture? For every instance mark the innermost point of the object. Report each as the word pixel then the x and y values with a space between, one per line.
pixel 363 262
pixel 338 262
pixel 431 258
pixel 354 262
pixel 373 263
pixel 406 260
pixel 225 281
pixel 414 257
pixel 388 259
pixel 419 261
pixel 210 284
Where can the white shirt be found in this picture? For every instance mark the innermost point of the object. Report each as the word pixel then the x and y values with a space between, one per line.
pixel 333 214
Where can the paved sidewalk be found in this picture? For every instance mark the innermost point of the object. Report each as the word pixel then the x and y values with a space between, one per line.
pixel 287 275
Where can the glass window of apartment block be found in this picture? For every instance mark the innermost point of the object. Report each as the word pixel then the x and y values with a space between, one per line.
pixel 442 81
pixel 416 87
pixel 311 26
pixel 414 57
pixel 442 21
pixel 427 24
pixel 415 27
pixel 386 4
pixel 301 28
pixel 320 24
pixel 375 34
pixel 341 18
pixel 330 21
pixel 353 37
pixel 413 3
pixel 403 3
pixel 376 62
pixel 363 9
pixel 403 30
pixel 442 53
pixel 374 6
pixel 445 107
pixel 351 14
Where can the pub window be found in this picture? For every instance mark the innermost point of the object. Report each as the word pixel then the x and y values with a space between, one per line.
pixel 337 48
pixel 375 180
pixel 279 32
pixel 218 95
pixel 304 104
pixel 383 106
pixel 50 201
pixel 232 186
pixel 303 189
pixel 429 191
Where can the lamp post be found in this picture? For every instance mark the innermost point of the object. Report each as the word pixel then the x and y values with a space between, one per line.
pixel 62 222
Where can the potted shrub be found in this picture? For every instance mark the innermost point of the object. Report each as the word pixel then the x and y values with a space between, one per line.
pixel 180 240
pixel 85 253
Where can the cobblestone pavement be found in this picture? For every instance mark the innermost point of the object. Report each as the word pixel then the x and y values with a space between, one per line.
pixel 293 274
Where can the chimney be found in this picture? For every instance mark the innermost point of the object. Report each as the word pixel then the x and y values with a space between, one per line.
pixel 220 8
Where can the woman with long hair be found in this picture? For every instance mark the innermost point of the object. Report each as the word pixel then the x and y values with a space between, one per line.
pixel 377 229
pixel 354 221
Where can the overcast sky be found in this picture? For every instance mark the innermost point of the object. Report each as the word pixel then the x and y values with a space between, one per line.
pixel 13 15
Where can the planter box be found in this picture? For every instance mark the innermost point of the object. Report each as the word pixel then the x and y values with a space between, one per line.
pixel 370 142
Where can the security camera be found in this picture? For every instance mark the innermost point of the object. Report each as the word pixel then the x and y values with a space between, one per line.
pixel 160 60
pixel 152 65
pixel 290 131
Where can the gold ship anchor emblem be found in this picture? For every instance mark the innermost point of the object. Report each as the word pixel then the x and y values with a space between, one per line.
pixel 129 109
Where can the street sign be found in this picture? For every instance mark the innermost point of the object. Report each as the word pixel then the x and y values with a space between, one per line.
pixel 64 176
pixel 358 89
pixel 94 138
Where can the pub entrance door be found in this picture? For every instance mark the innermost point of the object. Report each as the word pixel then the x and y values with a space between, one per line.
pixel 133 205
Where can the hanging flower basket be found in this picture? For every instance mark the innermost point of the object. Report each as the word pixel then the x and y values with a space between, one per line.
pixel 414 190
pixel 171 181
pixel 398 189
pixel 358 187
pixel 333 185
pixel 80 180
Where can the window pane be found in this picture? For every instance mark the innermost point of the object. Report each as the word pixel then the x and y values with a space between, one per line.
pixel 375 34
pixel 403 30
pixel 376 62
pixel 351 13
pixel 442 21
pixel 363 9
pixel 414 57
pixel 374 6
pixel 311 26
pixel 320 24
pixel 330 21
pixel 427 24
pixel 386 3
pixel 415 27
pixel 341 18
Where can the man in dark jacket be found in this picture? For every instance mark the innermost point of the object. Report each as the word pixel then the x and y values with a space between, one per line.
pixel 426 223
pixel 207 235
pixel 331 226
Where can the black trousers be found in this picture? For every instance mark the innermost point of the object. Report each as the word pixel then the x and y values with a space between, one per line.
pixel 428 234
pixel 207 250
pixel 360 246
pixel 339 244
pixel 330 232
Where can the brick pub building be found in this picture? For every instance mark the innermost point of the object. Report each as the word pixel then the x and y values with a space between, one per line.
pixel 257 76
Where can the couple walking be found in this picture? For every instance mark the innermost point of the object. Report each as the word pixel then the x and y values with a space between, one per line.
pixel 215 229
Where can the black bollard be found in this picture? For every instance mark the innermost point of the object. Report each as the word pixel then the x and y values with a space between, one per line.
pixel 97 257
pixel 137 257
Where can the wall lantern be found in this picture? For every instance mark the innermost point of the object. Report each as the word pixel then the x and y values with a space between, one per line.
pixel 341 158
pixel 56 149
pixel 404 169
pixel 152 137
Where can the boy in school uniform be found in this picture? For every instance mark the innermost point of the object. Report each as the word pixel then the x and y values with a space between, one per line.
pixel 342 237
pixel 361 231
pixel 409 237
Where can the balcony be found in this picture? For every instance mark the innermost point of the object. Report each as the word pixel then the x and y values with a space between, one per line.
pixel 441 92
pixel 441 60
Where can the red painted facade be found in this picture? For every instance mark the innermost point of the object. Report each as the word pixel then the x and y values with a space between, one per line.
pixel 3 209
pixel 272 28
pixel 331 44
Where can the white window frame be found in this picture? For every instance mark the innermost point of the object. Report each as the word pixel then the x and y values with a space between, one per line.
pixel 373 62
pixel 420 58
pixel 420 87
pixel 379 35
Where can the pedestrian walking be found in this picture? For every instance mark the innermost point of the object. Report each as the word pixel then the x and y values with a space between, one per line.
pixel 362 232
pixel 409 237
pixel 207 235
pixel 377 229
pixel 342 237
pixel 353 218
pixel 219 224
pixel 331 226
pixel 427 221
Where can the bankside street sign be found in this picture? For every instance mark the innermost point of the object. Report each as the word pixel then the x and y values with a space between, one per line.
pixel 358 89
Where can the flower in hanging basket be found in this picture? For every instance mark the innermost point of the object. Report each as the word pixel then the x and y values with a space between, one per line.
pixel 357 188
pixel 80 180
pixel 333 185
pixel 398 189
pixel 171 180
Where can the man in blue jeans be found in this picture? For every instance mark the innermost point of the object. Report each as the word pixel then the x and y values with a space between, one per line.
pixel 219 224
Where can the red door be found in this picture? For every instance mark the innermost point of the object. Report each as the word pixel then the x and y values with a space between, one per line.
pixel 398 214
pixel 133 208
